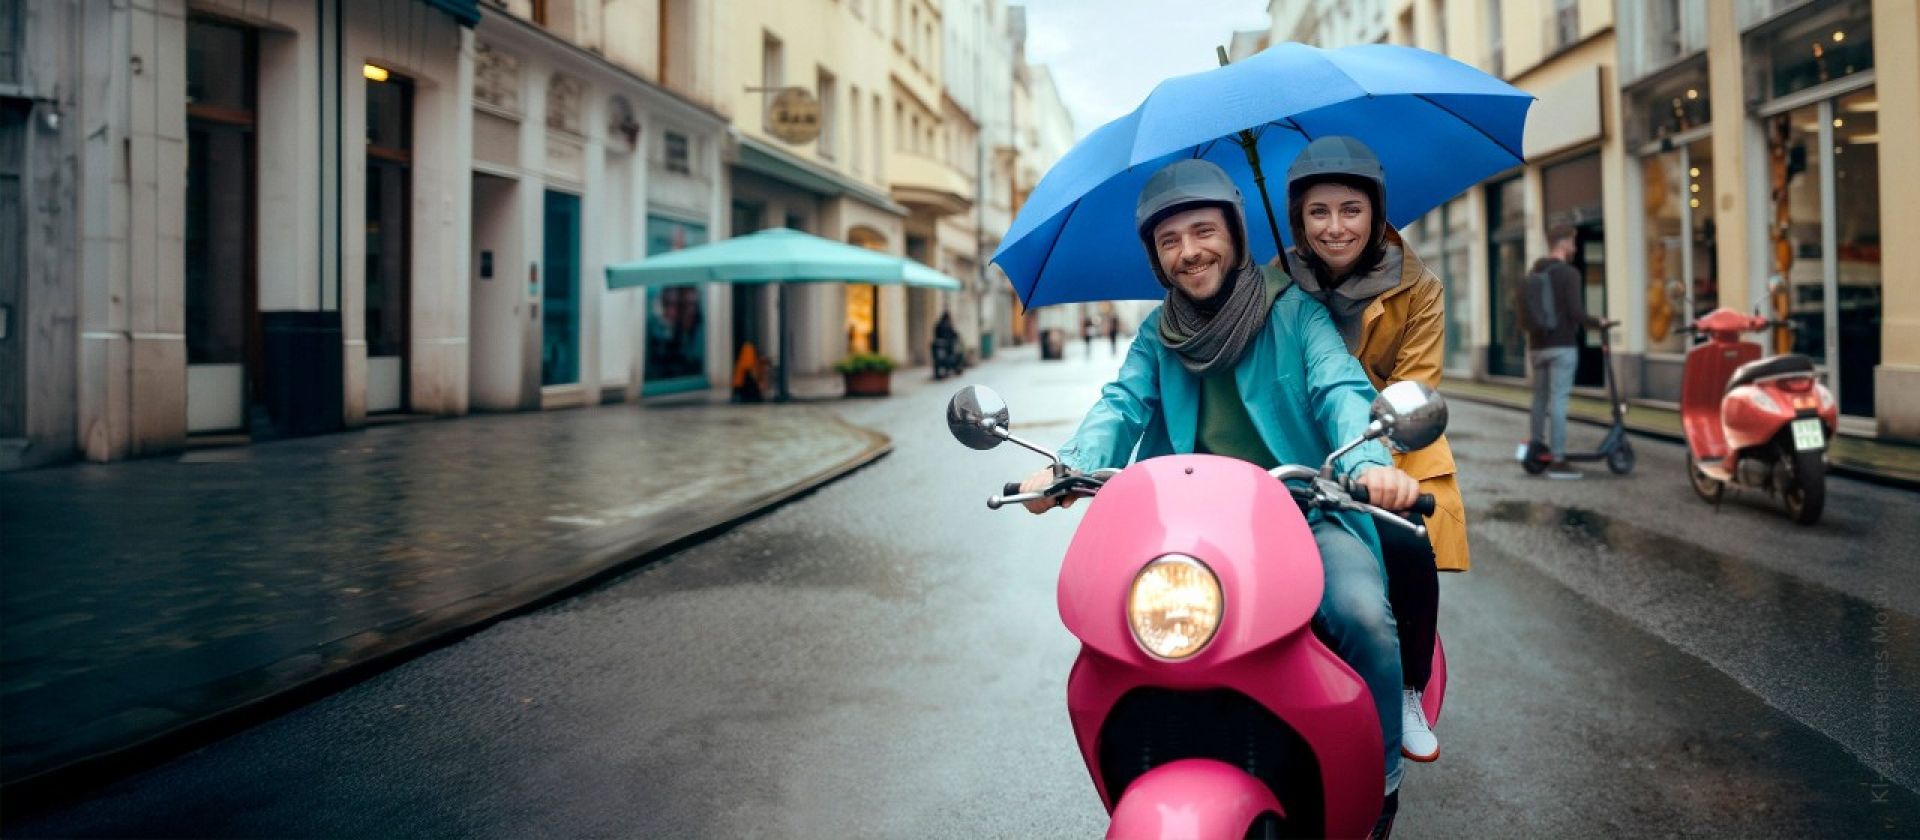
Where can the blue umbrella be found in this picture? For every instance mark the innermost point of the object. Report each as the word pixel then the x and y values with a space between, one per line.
pixel 1438 126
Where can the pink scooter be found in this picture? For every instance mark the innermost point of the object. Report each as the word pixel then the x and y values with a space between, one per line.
pixel 1204 703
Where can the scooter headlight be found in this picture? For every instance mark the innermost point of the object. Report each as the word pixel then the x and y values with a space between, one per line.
pixel 1174 606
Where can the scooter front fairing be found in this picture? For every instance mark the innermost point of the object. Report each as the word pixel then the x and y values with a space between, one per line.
pixel 1264 694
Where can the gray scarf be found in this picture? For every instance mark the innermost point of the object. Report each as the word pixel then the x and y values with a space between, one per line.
pixel 1208 342
pixel 1347 300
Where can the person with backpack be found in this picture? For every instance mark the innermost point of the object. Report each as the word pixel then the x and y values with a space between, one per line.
pixel 1551 313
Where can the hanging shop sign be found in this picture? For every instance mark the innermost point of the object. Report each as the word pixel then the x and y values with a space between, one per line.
pixel 794 116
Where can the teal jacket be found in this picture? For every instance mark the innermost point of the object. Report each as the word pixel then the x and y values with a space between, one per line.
pixel 1307 396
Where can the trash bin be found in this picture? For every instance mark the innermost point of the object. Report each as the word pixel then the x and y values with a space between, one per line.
pixel 1053 343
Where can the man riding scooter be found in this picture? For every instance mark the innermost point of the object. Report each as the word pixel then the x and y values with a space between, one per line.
pixel 1237 362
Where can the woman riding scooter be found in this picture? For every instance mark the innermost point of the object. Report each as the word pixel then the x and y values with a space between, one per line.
pixel 1390 310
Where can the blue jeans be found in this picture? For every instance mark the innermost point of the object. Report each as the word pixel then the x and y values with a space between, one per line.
pixel 1552 383
pixel 1355 614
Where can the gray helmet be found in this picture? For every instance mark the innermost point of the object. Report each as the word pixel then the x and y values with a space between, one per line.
pixel 1338 155
pixel 1184 185
pixel 1346 160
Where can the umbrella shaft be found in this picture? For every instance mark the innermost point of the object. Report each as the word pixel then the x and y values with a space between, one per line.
pixel 1248 145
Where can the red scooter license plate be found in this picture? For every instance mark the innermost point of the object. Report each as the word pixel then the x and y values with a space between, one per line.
pixel 1807 434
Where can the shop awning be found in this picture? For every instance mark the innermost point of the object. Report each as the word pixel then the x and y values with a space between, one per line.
pixel 778 255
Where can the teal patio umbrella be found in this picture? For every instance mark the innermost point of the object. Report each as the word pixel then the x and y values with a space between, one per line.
pixel 782 256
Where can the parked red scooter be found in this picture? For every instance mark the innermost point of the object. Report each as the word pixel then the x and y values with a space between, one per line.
pixel 1755 422
pixel 1203 702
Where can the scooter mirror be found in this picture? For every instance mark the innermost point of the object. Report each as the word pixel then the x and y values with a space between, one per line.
pixel 1413 414
pixel 974 413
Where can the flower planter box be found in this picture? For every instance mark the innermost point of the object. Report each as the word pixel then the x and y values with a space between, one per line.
pixel 869 383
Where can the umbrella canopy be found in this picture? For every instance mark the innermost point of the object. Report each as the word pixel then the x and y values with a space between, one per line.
pixel 778 255
pixel 1437 125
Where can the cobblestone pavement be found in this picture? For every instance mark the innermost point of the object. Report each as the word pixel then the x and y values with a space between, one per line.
pixel 143 596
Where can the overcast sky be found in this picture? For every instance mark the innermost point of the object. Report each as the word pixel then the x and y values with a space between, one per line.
pixel 1106 55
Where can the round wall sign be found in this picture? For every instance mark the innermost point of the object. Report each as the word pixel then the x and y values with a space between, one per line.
pixel 794 116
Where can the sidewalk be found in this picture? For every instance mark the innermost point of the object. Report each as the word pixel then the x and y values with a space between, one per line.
pixel 147 605
pixel 1890 463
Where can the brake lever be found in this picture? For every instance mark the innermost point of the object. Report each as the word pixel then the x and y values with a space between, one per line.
pixel 1379 513
pixel 1085 485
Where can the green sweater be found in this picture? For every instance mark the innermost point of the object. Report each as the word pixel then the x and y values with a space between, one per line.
pixel 1225 426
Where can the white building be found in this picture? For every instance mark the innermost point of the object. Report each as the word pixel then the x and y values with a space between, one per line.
pixel 578 162
pixel 262 228
pixel 297 217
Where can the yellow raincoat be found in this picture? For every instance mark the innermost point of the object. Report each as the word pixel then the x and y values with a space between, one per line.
pixel 1403 336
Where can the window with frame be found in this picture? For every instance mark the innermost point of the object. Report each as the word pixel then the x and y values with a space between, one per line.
pixel 879 148
pixel 773 72
pixel 1496 40
pixel 1819 49
pixel 677 153
pixel 825 85
pixel 856 155
pixel 1566 22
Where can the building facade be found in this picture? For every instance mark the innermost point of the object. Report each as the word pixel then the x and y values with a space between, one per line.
pixel 584 156
pixel 1684 201
pixel 288 218
pixel 206 270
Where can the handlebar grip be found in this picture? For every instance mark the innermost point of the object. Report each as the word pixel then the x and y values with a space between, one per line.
pixel 1010 488
pixel 1424 504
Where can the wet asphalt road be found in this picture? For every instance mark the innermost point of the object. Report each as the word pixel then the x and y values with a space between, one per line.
pixel 883 659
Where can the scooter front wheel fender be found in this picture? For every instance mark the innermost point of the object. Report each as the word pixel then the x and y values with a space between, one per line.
pixel 1191 799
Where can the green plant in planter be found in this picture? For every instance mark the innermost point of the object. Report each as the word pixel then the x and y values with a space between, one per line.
pixel 864 363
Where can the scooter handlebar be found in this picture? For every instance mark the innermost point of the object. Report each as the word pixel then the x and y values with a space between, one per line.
pixel 1423 505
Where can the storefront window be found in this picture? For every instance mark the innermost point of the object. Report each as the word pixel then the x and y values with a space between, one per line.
pixel 1833 298
pixel 1507 250
pixel 1821 49
pixel 676 322
pixel 1856 190
pixel 863 301
pixel 1675 107
pixel 1682 275
pixel 1793 141
pixel 219 216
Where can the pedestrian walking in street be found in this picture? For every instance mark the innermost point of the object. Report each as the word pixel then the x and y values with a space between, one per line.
pixel 1086 333
pixel 1551 312
pixel 1391 313
pixel 1225 324
pixel 1113 335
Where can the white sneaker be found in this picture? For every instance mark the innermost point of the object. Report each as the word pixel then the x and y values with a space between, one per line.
pixel 1417 742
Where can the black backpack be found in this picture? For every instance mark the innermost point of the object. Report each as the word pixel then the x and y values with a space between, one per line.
pixel 1536 311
